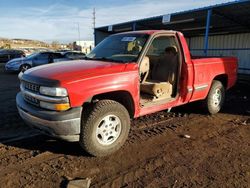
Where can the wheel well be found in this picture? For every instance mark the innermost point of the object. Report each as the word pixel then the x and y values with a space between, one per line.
pixel 122 97
pixel 26 64
pixel 23 65
pixel 223 78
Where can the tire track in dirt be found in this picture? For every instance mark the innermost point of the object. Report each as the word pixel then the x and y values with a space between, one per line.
pixel 143 131
pixel 149 165
pixel 40 158
pixel 146 129
pixel 150 133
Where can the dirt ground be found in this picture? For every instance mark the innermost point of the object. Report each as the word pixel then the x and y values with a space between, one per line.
pixel 157 154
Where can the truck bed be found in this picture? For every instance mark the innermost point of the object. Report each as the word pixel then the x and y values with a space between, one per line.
pixel 207 68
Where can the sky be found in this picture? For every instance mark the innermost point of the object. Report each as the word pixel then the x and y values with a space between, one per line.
pixel 58 20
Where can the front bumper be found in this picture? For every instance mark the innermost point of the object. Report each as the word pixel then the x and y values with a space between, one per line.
pixel 65 125
pixel 10 68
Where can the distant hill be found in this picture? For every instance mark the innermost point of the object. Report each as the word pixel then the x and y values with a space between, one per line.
pixel 20 43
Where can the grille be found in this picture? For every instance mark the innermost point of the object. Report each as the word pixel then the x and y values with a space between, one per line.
pixel 31 100
pixel 30 86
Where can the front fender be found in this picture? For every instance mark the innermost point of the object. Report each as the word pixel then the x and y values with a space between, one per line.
pixel 81 91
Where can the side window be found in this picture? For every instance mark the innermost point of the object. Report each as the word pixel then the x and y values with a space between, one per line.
pixel 75 55
pixel 70 55
pixel 18 54
pixel 79 55
pixel 56 56
pixel 163 58
pixel 159 45
pixel 43 56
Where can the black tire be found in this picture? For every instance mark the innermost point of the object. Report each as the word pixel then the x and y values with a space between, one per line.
pixel 94 119
pixel 212 104
pixel 24 67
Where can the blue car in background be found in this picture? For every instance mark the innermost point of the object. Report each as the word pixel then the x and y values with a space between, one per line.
pixel 74 55
pixel 8 54
pixel 33 60
pixel 71 55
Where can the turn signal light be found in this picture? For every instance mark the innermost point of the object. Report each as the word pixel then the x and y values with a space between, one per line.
pixel 53 106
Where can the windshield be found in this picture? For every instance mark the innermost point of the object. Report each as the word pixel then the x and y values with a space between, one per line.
pixel 119 48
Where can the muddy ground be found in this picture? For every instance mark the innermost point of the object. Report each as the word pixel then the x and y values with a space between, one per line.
pixel 217 154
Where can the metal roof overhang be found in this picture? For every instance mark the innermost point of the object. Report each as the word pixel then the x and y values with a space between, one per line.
pixel 232 17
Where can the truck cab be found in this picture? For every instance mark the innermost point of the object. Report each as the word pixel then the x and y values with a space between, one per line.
pixel 126 76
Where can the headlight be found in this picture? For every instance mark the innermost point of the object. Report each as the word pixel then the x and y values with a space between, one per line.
pixel 53 91
pixel 57 107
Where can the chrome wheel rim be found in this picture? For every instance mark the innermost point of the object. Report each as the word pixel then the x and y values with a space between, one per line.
pixel 25 67
pixel 217 97
pixel 108 130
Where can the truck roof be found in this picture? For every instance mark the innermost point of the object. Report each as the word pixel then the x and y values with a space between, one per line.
pixel 149 32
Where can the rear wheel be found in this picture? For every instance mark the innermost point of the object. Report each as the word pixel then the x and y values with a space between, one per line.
pixel 104 128
pixel 215 98
pixel 24 67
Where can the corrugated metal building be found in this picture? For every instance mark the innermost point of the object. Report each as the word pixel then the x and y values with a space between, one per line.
pixel 219 30
pixel 225 45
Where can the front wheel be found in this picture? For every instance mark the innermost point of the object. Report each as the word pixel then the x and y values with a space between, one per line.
pixel 215 98
pixel 24 67
pixel 104 128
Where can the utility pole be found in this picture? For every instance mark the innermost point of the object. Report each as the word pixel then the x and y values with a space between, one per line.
pixel 94 20
pixel 78 31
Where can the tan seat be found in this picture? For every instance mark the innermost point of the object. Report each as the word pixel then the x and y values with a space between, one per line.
pixel 153 87
pixel 144 69
pixel 157 88
pixel 165 69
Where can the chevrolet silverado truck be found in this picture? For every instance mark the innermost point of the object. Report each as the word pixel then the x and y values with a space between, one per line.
pixel 126 76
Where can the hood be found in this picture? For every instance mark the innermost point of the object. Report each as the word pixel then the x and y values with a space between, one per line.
pixel 21 59
pixel 75 70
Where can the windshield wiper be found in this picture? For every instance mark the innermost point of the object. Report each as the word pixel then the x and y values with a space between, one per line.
pixel 103 59
pixel 95 58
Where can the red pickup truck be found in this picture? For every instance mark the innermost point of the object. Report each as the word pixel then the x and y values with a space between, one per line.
pixel 126 76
